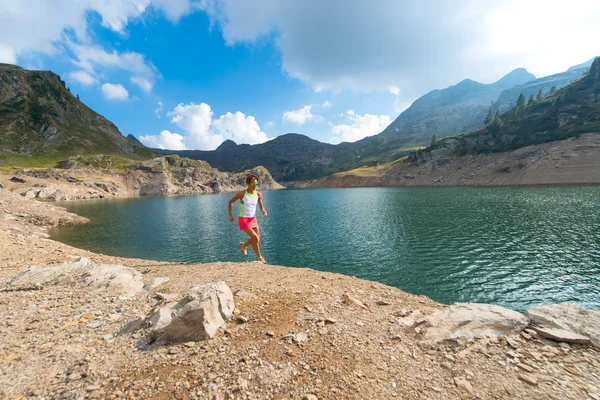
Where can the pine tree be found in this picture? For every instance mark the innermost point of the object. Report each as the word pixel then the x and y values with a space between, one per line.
pixel 497 116
pixel 552 89
pixel 77 96
pixel 489 117
pixel 558 103
pixel 530 101
pixel 521 101
pixel 433 140
pixel 540 95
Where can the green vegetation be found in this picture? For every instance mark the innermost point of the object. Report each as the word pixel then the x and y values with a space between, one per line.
pixel 540 95
pixel 521 101
pixel 567 113
pixel 489 117
pixel 530 101
pixel 433 140
pixel 42 123
pixel 552 89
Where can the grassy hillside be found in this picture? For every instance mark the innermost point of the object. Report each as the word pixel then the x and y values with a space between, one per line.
pixel 42 122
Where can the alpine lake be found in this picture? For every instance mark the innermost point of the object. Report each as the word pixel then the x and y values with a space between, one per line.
pixel 511 246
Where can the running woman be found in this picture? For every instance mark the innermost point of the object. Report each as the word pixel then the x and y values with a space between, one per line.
pixel 249 198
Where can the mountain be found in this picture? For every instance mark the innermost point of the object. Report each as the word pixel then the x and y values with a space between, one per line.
pixel 456 109
pixel 554 140
pixel 41 121
pixel 508 98
pixel 585 65
pixel 568 112
pixel 295 157
pixel 288 157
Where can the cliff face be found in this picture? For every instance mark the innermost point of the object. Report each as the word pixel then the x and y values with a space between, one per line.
pixel 40 117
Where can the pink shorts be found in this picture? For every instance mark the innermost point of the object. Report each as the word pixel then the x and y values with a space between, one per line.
pixel 247 223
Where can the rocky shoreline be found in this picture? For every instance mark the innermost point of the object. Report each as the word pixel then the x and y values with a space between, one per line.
pixel 293 333
pixel 161 176
pixel 572 161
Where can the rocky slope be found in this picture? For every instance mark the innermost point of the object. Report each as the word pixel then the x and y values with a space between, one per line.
pixel 456 109
pixel 508 98
pixel 106 177
pixel 566 162
pixel 295 333
pixel 42 121
pixel 553 141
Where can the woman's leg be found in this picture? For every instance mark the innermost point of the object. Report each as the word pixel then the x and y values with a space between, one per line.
pixel 254 239
pixel 257 231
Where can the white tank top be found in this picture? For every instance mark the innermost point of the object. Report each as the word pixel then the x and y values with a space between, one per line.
pixel 248 205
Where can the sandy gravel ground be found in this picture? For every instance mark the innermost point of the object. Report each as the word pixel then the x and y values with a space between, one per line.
pixel 64 342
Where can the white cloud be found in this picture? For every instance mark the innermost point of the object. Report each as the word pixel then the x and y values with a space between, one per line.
pixel 401 105
pixel 113 91
pixel 239 128
pixel 90 58
pixel 7 55
pixel 82 77
pixel 270 123
pixel 326 104
pixel 143 83
pixel 158 109
pixel 394 90
pixel 205 133
pixel 412 46
pixel 165 140
pixel 61 27
pixel 300 116
pixel 362 126
pixel 196 120
pixel 350 112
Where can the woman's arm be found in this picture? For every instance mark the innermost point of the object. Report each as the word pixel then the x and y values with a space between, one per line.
pixel 260 204
pixel 238 196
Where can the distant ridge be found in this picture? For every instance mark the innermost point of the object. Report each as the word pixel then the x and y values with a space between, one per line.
pixel 457 109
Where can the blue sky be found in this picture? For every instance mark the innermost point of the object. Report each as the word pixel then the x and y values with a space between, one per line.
pixel 192 73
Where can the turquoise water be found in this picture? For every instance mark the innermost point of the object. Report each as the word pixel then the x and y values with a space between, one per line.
pixel 514 247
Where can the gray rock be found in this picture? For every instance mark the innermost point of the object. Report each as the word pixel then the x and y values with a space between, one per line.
pixel 197 316
pixel 114 278
pixel 464 384
pixel 472 320
pixel 569 317
pixel 47 192
pixel 30 194
pixel 561 335
pixel 155 284
pixel 18 180
pixel 347 299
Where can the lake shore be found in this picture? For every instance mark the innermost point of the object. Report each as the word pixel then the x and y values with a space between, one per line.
pixel 61 342
pixel 566 162
pixel 161 176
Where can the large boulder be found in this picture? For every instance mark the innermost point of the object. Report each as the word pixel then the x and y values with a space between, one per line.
pixel 568 317
pixel 114 278
pixel 472 320
pixel 197 316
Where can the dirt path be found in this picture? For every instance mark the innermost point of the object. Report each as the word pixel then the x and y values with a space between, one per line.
pixel 63 342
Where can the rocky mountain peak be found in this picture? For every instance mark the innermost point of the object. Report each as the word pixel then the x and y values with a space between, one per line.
pixel 515 77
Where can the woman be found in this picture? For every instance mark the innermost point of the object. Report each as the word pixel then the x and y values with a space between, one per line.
pixel 249 198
